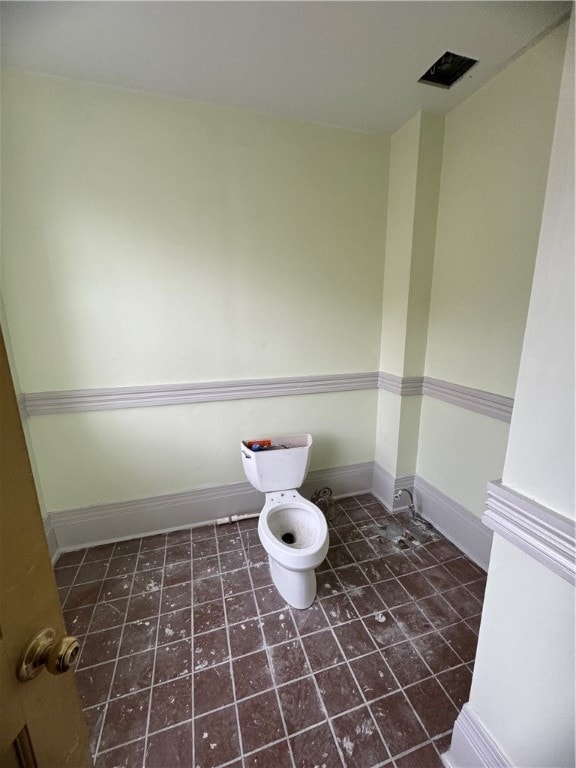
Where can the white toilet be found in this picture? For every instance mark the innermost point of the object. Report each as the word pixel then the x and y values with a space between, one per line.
pixel 293 531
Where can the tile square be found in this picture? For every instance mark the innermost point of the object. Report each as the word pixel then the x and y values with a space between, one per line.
pixel 143 606
pixel 354 639
pixel 128 756
pixel 139 636
pixel 318 742
pixel 65 576
pixel 230 542
pixel 176 597
pixel 99 647
pixel 260 721
pixel 373 676
pixel 322 650
pixel 300 704
pixel 438 611
pixel 392 593
pixel 170 748
pixel 173 626
pixel 78 620
pixel 383 629
pixel 352 576
pixel 251 674
pixel 359 739
pixel 157 541
pixel 436 652
pixel 338 609
pixel 328 584
pixel 101 552
pixel 108 615
pixel 234 582
pixel 147 581
pixel 240 607
pixel 340 555
pixel 171 704
pixel 269 600
pixel 361 550
pixel 206 566
pixel 376 570
pixel 83 594
pixel 424 756
pixel 338 689
pixel 213 689
pixel 478 588
pixel 210 648
pixel 288 662
pixel 70 558
pixel 400 565
pixel 245 637
pixel 179 550
pixel 462 640
pixel 149 560
pixel 277 755
pixel 406 663
pixel 365 600
pixel 278 627
pixel 399 725
pixel 173 660
pixel 133 673
pixel 232 561
pixel 129 547
pixel 463 570
pixel 204 548
pixel 440 578
pixel 177 573
pixel 125 719
pixel 121 566
pixel 417 585
pixel 412 620
pixel 179 538
pixel 207 589
pixel 463 601
pixel 94 683
pixel 216 738
pixel 456 682
pixel 91 571
pixel 310 620
pixel 208 616
pixel 432 706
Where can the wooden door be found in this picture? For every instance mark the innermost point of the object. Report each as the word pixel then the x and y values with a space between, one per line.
pixel 41 721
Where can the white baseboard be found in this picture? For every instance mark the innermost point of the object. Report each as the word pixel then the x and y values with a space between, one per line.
pixel 102 523
pixel 472 744
pixel 457 523
pixel 51 540
pixel 385 485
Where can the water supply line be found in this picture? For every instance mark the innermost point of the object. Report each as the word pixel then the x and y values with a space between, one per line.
pixel 413 513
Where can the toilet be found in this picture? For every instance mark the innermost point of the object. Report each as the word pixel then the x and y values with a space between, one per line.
pixel 292 530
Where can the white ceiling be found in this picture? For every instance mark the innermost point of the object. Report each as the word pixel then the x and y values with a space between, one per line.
pixel 349 64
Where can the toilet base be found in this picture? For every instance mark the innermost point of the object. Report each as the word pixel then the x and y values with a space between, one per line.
pixel 298 588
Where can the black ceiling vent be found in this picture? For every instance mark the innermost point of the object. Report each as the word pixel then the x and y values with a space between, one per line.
pixel 447 70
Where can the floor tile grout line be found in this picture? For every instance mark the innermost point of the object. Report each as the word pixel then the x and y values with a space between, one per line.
pixel 97 746
pixel 230 665
pixel 152 681
pixel 270 666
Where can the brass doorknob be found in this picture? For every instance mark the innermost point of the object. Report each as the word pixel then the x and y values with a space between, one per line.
pixel 44 650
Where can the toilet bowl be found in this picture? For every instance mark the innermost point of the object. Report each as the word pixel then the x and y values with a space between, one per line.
pixel 292 530
pixel 294 533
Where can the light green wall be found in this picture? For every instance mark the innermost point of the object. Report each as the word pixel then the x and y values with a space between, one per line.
pixel 110 456
pixel 496 153
pixel 148 240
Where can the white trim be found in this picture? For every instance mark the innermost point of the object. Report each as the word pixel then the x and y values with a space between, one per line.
pixel 110 398
pixel 472 744
pixel 102 523
pixel 537 530
pixel 51 539
pixel 462 527
pixel 385 485
pixel 478 400
pixel 400 385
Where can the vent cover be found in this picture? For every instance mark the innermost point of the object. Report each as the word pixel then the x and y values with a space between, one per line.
pixel 447 70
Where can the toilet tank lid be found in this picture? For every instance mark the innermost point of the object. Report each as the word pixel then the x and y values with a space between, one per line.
pixel 281 441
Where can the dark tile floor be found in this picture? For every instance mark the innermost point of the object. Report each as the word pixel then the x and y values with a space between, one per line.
pixel 191 658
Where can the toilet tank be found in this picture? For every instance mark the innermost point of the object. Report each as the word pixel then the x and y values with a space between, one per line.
pixel 281 465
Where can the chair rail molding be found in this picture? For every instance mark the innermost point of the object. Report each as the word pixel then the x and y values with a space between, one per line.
pixel 537 530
